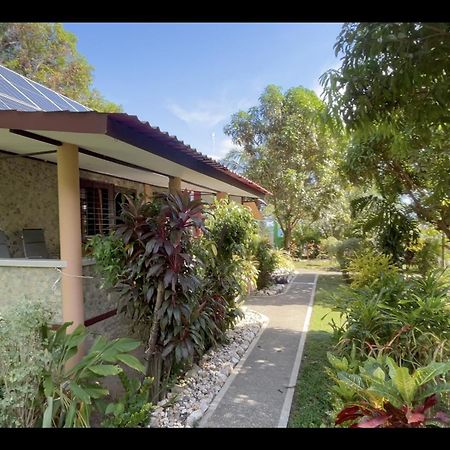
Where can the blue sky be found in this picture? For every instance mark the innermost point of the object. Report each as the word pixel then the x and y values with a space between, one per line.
pixel 189 78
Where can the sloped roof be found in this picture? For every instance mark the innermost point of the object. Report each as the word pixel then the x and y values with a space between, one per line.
pixel 19 94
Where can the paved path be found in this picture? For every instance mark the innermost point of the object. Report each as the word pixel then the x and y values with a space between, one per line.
pixel 259 392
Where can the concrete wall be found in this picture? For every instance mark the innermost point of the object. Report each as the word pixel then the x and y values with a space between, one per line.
pixel 31 283
pixel 43 284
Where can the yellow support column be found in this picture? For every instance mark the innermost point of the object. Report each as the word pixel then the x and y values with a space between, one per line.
pixel 175 185
pixel 148 192
pixel 70 234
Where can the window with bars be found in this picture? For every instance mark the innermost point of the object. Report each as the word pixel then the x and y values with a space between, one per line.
pixel 101 204
pixel 97 208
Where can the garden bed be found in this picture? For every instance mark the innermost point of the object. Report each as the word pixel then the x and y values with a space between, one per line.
pixel 189 400
pixel 281 280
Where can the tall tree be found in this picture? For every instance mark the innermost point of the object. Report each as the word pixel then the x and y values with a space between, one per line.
pixel 46 53
pixel 285 146
pixel 392 92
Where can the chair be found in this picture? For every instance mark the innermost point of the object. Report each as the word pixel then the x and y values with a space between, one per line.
pixel 4 248
pixel 34 243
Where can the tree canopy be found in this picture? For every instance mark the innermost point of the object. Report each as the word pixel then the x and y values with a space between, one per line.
pixel 46 53
pixel 392 93
pixel 285 146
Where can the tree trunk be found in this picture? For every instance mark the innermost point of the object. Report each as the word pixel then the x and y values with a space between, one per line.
pixel 287 234
pixel 154 362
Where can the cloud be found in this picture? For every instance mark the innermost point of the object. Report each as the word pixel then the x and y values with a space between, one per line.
pixel 198 116
pixel 222 148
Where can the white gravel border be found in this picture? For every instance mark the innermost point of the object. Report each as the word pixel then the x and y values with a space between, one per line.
pixel 204 385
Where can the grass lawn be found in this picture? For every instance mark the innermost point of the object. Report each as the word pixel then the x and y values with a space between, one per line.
pixel 311 397
pixel 317 264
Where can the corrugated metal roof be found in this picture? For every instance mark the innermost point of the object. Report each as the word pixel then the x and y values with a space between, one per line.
pixel 47 100
pixel 174 142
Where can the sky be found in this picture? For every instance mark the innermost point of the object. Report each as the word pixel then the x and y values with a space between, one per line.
pixel 188 79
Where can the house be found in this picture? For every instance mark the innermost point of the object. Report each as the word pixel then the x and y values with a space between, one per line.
pixel 63 168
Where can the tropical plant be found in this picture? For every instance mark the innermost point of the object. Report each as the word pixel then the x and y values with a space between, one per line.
pixel 382 394
pixel 406 318
pixel 368 267
pixel 133 408
pixel 71 393
pixel 426 251
pixel 159 279
pixel 346 250
pixel 329 245
pixel 283 260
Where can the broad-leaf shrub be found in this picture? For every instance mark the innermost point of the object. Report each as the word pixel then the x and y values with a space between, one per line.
pixel 36 386
pixel 109 254
pixel 378 393
pixel 71 394
pixel 133 409
pixel 231 273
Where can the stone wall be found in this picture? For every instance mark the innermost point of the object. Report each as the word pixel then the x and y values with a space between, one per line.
pixel 29 199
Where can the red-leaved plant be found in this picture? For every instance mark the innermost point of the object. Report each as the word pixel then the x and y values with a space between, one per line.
pixel 158 282
pixel 380 394
pixel 365 415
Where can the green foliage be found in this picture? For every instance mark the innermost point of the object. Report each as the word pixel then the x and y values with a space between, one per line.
pixel 380 393
pixel 329 246
pixel 368 267
pixel 37 387
pixel 71 393
pixel 109 254
pixel 394 228
pixel 392 92
pixel 283 260
pixel 408 319
pixel 427 251
pixel 287 148
pixel 23 359
pixel 133 408
pixel 47 53
pixel 232 228
pixel 346 250
pixel 231 272
pixel 266 258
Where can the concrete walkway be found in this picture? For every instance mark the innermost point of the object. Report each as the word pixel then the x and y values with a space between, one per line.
pixel 259 392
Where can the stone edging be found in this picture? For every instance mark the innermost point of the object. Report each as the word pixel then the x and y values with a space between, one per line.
pixel 203 386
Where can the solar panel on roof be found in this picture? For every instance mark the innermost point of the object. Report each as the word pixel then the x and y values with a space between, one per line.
pixel 22 94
